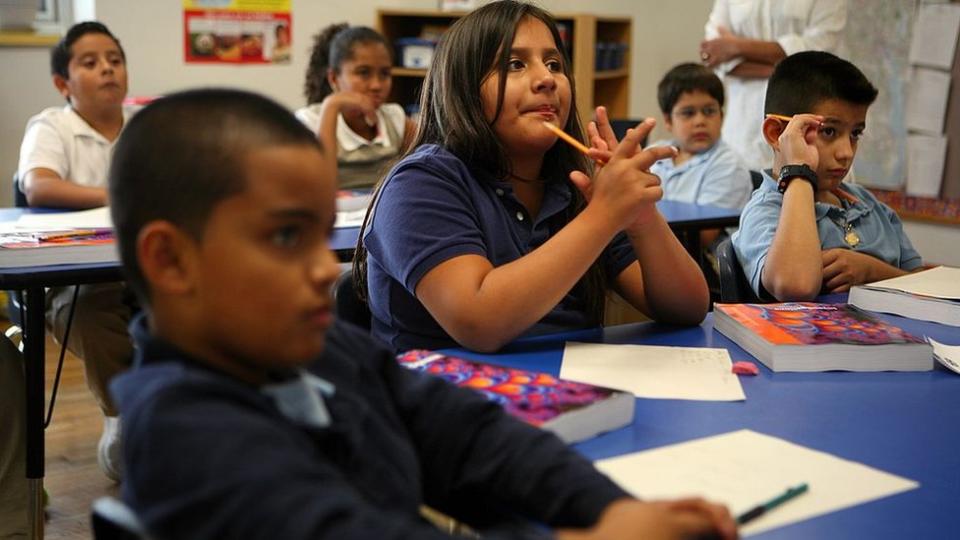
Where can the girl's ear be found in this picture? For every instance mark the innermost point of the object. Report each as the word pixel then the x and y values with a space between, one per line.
pixel 772 128
pixel 332 79
pixel 168 258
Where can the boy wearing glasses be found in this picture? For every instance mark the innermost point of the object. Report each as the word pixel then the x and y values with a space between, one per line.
pixel 705 170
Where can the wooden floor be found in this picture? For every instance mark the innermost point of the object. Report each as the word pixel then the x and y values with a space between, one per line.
pixel 73 479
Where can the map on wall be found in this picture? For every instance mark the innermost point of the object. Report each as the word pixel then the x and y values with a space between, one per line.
pixel 878 42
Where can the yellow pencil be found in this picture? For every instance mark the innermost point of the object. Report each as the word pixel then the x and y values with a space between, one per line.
pixel 573 142
pixel 780 117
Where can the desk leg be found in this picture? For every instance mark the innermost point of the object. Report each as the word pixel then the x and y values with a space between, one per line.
pixel 33 336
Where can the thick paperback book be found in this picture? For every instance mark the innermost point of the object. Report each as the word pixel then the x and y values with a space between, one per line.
pixel 574 411
pixel 931 295
pixel 806 336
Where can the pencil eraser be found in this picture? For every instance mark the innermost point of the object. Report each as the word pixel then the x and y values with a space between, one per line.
pixel 745 368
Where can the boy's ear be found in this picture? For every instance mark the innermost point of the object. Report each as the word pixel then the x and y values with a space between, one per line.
pixel 772 128
pixel 61 84
pixel 666 121
pixel 167 256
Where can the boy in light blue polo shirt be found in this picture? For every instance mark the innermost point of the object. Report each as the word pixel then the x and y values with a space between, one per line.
pixel 805 231
pixel 705 170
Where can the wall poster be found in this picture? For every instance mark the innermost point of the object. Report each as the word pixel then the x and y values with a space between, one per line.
pixel 236 31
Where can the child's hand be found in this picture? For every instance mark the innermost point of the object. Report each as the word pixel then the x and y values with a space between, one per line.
pixel 601 132
pixel 844 268
pixel 624 186
pixel 685 518
pixel 797 141
pixel 350 103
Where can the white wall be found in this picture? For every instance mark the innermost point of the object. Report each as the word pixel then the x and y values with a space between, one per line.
pixel 152 35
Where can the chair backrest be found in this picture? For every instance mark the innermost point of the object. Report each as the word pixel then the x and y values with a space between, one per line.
pixel 19 197
pixel 734 287
pixel 621 125
pixel 756 178
pixel 347 304
pixel 113 520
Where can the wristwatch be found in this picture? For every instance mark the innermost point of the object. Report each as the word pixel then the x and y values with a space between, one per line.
pixel 790 173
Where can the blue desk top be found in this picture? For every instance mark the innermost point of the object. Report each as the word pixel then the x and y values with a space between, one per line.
pixel 903 423
pixel 341 241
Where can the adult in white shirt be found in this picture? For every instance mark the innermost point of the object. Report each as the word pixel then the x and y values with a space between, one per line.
pixel 744 39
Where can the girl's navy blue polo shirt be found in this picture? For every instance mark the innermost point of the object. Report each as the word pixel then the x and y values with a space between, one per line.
pixel 433 208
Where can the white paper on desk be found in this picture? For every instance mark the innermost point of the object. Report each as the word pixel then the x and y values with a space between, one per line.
pixel 95 218
pixel 744 468
pixel 926 155
pixel 935 35
pixel 352 218
pixel 948 355
pixel 939 282
pixel 654 372
pixel 927 97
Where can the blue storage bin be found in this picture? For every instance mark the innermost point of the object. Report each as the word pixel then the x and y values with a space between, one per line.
pixel 415 52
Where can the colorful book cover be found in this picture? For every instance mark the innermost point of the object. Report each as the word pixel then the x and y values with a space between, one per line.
pixel 536 398
pixel 56 239
pixel 807 323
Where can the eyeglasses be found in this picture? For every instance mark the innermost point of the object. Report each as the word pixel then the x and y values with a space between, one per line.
pixel 687 113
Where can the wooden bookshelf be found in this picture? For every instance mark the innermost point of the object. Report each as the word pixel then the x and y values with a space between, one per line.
pixel 608 87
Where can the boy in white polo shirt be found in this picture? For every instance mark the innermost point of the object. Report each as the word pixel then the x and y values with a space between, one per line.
pixel 64 162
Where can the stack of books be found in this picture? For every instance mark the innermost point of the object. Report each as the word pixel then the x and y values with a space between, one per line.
pixel 805 336
pixel 41 239
pixel 573 411
pixel 931 295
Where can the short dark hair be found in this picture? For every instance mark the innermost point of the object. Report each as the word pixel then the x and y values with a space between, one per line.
pixel 688 77
pixel 331 47
pixel 62 52
pixel 803 80
pixel 183 154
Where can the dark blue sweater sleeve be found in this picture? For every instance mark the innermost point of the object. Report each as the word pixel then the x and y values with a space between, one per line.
pixel 478 459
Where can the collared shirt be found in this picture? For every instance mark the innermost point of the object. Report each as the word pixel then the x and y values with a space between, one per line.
pixel 60 140
pixel 362 161
pixel 796 25
pixel 433 208
pixel 875 224
pixel 714 177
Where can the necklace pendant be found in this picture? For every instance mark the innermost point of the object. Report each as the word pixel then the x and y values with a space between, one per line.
pixel 851 238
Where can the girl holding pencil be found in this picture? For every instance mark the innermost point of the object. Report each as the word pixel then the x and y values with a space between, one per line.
pixel 491 228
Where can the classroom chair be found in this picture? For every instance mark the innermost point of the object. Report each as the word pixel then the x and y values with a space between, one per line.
pixel 756 178
pixel 621 125
pixel 113 520
pixel 347 304
pixel 734 287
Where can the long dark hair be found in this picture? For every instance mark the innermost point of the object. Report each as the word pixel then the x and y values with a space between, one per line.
pixel 331 47
pixel 451 115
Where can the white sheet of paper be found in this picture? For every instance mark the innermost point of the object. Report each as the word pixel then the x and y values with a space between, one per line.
pixel 948 355
pixel 926 155
pixel 352 218
pixel 940 282
pixel 935 35
pixel 95 218
pixel 654 372
pixel 745 468
pixel 927 97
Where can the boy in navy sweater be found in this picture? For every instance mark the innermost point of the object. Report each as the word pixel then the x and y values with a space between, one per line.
pixel 251 413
